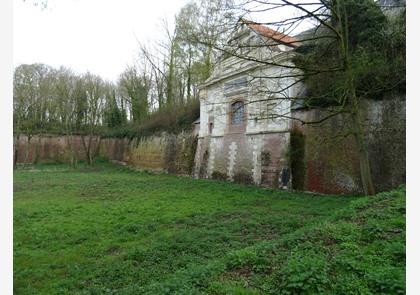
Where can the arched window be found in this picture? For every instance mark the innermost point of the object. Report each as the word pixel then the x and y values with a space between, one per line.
pixel 238 112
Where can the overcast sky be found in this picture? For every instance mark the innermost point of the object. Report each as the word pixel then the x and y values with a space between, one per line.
pixel 95 35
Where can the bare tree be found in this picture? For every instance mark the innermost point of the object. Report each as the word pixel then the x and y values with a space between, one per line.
pixel 30 99
pixel 67 92
pixel 135 87
pixel 337 43
pixel 95 94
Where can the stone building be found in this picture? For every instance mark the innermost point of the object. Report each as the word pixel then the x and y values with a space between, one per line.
pixel 244 131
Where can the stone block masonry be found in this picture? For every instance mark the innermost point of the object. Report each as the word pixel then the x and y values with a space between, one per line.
pixel 329 161
pixel 161 153
pixel 319 158
pixel 231 160
pixel 253 159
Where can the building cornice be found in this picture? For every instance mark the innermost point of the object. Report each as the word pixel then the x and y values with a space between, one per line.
pixel 283 56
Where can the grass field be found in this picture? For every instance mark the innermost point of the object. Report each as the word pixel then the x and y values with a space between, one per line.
pixel 110 230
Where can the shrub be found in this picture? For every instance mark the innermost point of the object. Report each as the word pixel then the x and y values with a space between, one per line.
pixel 246 258
pixel 167 120
pixel 304 272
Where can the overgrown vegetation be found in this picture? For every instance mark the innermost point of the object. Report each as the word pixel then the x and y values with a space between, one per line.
pixel 110 230
pixel 375 55
pixel 164 120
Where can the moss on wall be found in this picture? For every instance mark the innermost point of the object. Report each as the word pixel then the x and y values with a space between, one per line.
pixel 331 162
pixel 296 155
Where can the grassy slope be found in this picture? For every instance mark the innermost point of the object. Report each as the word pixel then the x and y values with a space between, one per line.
pixel 111 230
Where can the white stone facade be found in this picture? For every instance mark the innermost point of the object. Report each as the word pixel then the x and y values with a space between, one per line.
pixel 254 151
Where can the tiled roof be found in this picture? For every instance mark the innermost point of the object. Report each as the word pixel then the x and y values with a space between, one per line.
pixel 272 34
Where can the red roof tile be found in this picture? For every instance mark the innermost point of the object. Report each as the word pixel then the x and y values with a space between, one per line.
pixel 272 34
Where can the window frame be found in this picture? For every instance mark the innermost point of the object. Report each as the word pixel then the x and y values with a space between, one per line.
pixel 233 113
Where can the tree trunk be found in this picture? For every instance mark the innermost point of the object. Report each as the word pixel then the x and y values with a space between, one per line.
pixel 208 62
pixel 87 148
pixel 169 85
pixel 27 149
pixel 73 158
pixel 356 120
pixel 90 156
pixel 15 156
pixel 365 171
pixel 189 74
pixel 37 145
pixel 98 146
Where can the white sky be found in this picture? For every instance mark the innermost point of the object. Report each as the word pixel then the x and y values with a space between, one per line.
pixel 93 35
pixel 87 35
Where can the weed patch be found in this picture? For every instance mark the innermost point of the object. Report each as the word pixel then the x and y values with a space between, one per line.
pixel 117 231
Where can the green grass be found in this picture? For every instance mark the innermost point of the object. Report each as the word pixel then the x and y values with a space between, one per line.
pixel 110 230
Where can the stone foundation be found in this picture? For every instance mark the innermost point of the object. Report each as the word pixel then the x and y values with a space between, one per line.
pixel 247 158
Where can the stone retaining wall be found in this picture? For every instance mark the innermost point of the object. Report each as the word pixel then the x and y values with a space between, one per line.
pixel 320 158
pixel 163 153
pixel 328 160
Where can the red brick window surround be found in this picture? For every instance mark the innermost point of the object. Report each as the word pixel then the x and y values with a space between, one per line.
pixel 237 112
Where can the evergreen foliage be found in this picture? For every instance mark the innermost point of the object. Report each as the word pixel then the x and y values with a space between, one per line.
pixel 376 51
